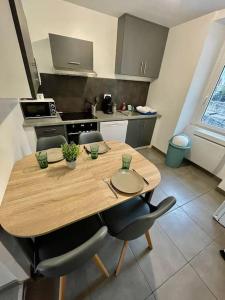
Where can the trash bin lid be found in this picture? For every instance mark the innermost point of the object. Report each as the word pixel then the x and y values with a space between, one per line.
pixel 180 140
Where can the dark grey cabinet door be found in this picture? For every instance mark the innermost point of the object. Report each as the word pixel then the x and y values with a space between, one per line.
pixel 133 133
pixel 70 53
pixel 23 36
pixel 130 46
pixel 156 38
pixel 46 131
pixel 139 132
pixel 147 132
pixel 140 47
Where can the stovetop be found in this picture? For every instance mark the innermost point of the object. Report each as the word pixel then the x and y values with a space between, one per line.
pixel 67 116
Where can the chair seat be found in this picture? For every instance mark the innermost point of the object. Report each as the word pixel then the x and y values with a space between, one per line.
pixel 120 216
pixel 66 238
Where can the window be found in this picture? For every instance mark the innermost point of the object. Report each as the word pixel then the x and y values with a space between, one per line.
pixel 214 114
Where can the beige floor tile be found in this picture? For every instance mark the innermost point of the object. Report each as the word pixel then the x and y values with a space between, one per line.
pixel 197 180
pixel 152 297
pixel 129 284
pixel 159 196
pixel 185 233
pixel 184 285
pixel 201 211
pixel 179 190
pixel 167 174
pixel 211 268
pixel 160 263
pixel 155 156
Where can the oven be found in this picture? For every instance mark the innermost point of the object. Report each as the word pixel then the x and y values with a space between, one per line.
pixel 74 130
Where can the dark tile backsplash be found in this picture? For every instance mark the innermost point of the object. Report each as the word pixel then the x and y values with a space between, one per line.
pixel 73 93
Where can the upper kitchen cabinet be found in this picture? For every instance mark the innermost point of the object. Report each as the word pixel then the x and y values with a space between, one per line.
pixel 140 47
pixel 71 53
pixel 25 45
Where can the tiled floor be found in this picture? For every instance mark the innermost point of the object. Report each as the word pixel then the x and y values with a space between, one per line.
pixel 184 263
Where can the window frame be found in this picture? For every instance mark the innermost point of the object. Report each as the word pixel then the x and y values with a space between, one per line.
pixel 208 92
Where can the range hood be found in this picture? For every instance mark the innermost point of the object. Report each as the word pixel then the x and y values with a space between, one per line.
pixel 71 56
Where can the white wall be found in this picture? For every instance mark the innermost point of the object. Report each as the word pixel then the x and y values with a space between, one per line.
pixel 167 94
pixel 14 143
pixel 62 17
pixel 210 52
pixel 65 18
pixel 191 52
pixel 13 80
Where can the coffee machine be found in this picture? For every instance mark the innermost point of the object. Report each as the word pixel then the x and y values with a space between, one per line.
pixel 107 104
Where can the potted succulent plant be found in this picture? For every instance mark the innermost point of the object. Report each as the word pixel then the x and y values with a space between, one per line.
pixel 70 153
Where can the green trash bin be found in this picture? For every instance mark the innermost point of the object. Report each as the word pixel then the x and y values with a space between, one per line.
pixel 175 154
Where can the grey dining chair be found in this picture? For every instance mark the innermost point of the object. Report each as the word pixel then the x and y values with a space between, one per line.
pixel 44 143
pixel 60 252
pixel 132 219
pixel 90 137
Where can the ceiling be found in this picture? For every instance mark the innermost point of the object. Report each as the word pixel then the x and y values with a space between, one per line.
pixel 165 12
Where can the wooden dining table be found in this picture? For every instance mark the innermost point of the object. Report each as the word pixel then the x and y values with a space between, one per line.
pixel 38 201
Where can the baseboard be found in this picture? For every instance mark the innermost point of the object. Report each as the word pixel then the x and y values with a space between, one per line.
pixel 153 147
pixel 142 147
pixel 220 190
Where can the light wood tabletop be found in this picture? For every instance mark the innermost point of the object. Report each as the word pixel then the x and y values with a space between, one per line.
pixel 38 201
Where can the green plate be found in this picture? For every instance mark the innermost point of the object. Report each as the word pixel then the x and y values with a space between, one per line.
pixel 127 181
pixel 103 148
pixel 54 155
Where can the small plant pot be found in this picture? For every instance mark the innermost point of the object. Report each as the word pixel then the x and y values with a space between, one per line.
pixel 71 164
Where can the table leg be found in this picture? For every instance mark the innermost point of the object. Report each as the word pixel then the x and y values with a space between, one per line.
pixel 148 196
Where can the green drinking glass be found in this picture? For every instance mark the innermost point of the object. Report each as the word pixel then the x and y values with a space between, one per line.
pixel 126 160
pixel 94 151
pixel 42 159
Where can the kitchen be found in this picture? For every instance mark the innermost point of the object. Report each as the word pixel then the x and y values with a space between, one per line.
pixel 123 62
pixel 74 94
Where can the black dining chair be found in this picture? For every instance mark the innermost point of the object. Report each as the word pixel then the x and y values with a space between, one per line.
pixel 44 143
pixel 133 218
pixel 60 252
pixel 90 137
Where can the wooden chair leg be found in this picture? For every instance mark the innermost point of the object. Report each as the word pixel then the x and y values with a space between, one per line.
pixel 62 283
pixel 147 235
pixel 100 265
pixel 122 255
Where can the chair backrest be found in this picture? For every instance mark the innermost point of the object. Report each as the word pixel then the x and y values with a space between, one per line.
pixel 141 224
pixel 45 143
pixel 68 262
pixel 90 137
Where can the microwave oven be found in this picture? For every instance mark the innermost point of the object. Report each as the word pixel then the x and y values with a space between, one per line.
pixel 38 108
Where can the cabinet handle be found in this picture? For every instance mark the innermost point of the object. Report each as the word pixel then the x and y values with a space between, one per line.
pixel 50 130
pixel 74 63
pixel 145 68
pixel 142 64
pixel 74 133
